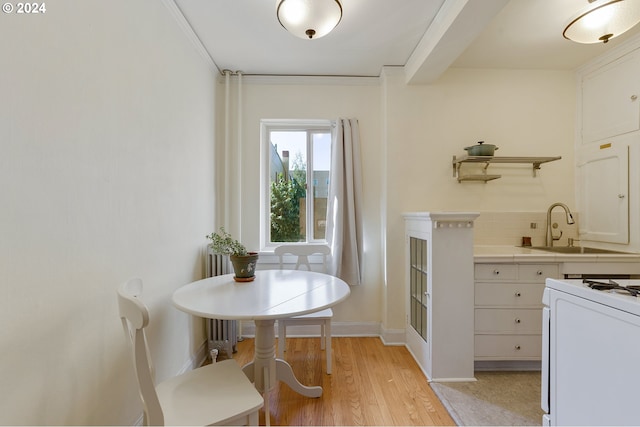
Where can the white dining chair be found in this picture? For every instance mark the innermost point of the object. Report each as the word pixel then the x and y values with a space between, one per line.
pixel 218 394
pixel 321 318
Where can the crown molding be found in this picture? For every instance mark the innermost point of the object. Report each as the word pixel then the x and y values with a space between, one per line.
pixel 304 80
pixel 186 28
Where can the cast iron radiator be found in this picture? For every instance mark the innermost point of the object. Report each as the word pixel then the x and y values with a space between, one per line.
pixel 221 334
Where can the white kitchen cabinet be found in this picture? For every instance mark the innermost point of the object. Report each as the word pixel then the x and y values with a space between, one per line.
pixel 508 310
pixel 610 104
pixel 603 202
pixel 439 287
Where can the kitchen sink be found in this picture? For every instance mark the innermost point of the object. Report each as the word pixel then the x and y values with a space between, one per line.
pixel 574 250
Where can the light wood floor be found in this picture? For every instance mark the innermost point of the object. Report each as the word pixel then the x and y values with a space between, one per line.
pixel 371 384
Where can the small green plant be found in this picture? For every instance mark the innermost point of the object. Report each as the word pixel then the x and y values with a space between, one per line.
pixel 285 209
pixel 223 243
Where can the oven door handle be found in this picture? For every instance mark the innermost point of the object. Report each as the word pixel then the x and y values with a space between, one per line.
pixel 546 355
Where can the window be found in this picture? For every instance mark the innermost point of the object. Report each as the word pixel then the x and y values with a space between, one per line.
pixel 295 180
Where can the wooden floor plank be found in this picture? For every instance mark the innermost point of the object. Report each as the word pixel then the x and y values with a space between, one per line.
pixel 372 384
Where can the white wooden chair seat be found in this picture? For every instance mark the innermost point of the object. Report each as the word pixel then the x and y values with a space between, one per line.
pixel 212 394
pixel 321 318
pixel 216 394
pixel 328 313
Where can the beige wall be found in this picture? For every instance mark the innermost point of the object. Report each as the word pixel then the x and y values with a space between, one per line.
pixel 309 98
pixel 409 135
pixel 523 112
pixel 107 173
pixel 108 170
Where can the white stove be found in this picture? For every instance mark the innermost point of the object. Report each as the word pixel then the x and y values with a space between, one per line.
pixel 610 292
pixel 591 348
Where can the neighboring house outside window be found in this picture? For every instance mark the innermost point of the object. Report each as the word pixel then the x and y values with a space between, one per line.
pixel 295 180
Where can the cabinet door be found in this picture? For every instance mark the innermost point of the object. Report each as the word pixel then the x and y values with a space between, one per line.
pixel 418 282
pixel 604 202
pixel 610 104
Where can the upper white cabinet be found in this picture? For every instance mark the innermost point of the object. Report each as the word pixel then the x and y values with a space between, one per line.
pixel 610 99
pixel 603 174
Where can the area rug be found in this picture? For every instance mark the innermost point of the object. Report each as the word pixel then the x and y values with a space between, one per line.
pixel 495 399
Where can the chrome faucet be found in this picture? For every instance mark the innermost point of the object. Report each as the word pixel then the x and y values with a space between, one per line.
pixel 550 237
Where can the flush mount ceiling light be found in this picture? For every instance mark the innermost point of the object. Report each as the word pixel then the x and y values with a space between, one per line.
pixel 309 19
pixel 603 20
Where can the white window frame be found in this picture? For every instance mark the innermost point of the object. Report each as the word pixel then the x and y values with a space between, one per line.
pixel 266 126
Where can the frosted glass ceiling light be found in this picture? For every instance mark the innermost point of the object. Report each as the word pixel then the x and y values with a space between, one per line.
pixel 603 20
pixel 309 19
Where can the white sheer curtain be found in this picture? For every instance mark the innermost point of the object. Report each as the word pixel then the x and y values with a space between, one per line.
pixel 344 209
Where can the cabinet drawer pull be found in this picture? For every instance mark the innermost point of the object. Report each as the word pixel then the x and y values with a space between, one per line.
pixel 539 273
pixel 634 97
pixel 516 320
pixel 518 294
pixel 517 347
pixel 496 272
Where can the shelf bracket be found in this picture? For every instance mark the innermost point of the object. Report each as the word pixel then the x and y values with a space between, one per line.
pixel 535 168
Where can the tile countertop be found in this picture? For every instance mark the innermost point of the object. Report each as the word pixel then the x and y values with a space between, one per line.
pixel 490 254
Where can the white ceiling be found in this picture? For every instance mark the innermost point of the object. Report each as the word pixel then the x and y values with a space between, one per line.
pixel 425 36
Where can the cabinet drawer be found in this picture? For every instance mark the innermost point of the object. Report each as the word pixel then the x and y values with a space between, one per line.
pixel 508 320
pixel 537 273
pixel 509 294
pixel 496 271
pixel 508 347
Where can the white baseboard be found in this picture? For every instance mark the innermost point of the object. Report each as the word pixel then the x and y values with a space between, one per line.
pixel 139 421
pixel 392 336
pixel 424 371
pixel 196 360
pixel 507 365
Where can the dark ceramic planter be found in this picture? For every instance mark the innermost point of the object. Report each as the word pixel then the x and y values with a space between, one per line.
pixel 244 266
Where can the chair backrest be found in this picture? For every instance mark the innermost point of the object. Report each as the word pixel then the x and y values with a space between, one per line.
pixel 135 317
pixel 303 252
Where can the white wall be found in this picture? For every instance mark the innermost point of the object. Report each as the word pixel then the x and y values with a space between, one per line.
pixel 409 135
pixel 107 172
pixel 311 98
pixel 523 112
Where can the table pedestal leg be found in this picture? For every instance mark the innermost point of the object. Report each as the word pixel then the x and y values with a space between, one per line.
pixel 265 370
pixel 285 374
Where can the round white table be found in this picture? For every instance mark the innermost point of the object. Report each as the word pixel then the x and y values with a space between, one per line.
pixel 274 294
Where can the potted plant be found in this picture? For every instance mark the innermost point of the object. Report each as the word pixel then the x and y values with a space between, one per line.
pixel 244 262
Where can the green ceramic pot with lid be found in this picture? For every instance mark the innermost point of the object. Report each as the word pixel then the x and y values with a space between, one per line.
pixel 481 149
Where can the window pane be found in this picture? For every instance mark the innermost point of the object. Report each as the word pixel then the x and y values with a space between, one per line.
pixel 321 143
pixel 288 186
pixel 297 176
